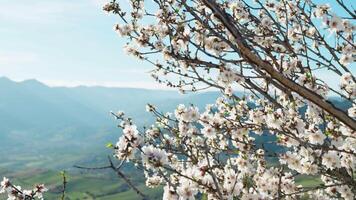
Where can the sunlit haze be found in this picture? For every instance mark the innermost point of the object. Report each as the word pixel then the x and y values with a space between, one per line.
pixel 66 43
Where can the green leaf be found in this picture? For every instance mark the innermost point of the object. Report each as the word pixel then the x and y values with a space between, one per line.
pixel 109 145
pixel 309 75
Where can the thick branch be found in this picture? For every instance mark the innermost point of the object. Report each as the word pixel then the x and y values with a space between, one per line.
pixel 291 85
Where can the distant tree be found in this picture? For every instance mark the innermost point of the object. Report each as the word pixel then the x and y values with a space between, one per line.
pixel 285 56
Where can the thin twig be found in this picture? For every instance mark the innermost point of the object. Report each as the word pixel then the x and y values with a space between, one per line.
pixel 119 173
pixel 64 184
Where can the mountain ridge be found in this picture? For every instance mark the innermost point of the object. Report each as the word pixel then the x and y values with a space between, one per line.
pixel 47 122
pixel 41 124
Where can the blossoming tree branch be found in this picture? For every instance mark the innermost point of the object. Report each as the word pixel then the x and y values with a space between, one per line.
pixel 279 53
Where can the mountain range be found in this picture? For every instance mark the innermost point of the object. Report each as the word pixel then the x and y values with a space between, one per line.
pixel 56 127
pixel 42 126
pixel 46 129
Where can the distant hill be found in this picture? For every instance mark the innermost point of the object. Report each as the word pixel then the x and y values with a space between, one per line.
pixel 45 129
pixel 57 125
pixel 51 127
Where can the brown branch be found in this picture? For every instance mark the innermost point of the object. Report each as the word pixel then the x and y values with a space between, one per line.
pixel 341 3
pixel 250 56
pixel 119 173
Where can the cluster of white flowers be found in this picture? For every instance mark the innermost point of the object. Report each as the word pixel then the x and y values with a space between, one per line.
pixel 200 138
pixel 273 50
pixel 123 30
pixel 352 110
pixel 239 10
pixel 348 54
pixel 190 114
pixel 229 75
pixel 339 26
pixel 153 157
pixel 17 193
pixel 348 84
pixel 127 145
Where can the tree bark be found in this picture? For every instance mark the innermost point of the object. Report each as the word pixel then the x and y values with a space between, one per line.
pixel 248 54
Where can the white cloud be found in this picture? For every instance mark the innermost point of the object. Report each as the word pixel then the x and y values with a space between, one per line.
pixel 99 3
pixel 41 11
pixel 136 84
pixel 16 58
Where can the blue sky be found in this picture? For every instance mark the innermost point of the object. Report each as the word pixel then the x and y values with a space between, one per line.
pixel 70 43
pixel 66 42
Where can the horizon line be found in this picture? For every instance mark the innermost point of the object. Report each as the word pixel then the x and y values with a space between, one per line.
pixel 75 84
pixel 108 84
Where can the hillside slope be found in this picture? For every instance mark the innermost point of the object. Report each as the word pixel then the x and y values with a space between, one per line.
pixel 58 125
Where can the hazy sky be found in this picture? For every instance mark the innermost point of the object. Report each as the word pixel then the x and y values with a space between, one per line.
pixel 66 42
pixel 69 42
